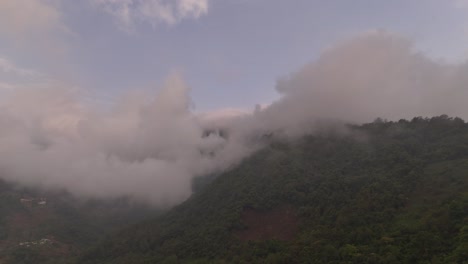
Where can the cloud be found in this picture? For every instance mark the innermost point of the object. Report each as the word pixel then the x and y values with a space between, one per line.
pixel 21 18
pixel 14 77
pixel 35 29
pixel 154 12
pixel 375 74
pixel 8 67
pixel 223 114
pixel 151 147
pixel 145 148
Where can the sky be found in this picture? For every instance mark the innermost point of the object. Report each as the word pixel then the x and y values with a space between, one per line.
pixel 231 53
pixel 112 98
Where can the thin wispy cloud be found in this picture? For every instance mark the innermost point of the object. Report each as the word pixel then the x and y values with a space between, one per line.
pixel 14 77
pixel 128 13
pixel 8 67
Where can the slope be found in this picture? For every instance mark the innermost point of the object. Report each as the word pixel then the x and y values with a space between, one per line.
pixel 384 192
pixel 53 227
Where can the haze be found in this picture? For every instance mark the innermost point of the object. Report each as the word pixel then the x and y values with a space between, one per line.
pixel 143 133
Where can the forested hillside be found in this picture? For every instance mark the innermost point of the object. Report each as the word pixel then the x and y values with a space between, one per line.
pixel 54 227
pixel 384 192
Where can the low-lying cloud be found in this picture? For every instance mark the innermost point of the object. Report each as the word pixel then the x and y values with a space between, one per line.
pixel 375 74
pixel 151 148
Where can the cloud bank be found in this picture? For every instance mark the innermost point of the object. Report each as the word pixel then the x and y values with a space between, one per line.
pixel 375 74
pixel 145 148
pixel 151 147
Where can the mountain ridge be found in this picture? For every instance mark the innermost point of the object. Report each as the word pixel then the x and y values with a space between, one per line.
pixel 358 200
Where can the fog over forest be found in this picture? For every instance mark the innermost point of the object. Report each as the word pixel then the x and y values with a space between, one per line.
pixel 151 146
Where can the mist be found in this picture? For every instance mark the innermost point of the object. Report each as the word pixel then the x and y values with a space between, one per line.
pixel 374 74
pixel 150 147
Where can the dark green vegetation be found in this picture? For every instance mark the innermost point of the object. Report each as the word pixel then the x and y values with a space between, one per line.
pixel 64 225
pixel 386 192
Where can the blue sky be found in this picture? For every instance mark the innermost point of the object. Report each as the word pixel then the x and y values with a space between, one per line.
pixel 230 52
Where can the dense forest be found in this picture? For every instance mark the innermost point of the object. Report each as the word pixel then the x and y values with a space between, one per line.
pixel 37 226
pixel 383 192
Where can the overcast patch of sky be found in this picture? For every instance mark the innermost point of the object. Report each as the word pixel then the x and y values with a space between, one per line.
pixel 241 48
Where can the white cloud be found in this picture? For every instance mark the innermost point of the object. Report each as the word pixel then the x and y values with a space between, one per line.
pixel 143 147
pixel 373 74
pixel 129 12
pixel 151 147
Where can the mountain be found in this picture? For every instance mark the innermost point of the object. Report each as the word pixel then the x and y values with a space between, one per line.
pixel 383 192
pixel 37 226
